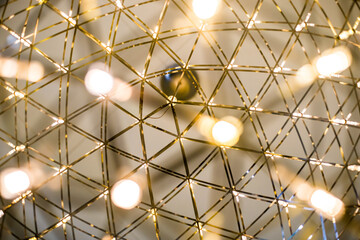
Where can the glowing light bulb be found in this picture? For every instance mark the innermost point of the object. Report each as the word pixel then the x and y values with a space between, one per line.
pixel 205 9
pixel 121 91
pixel 227 131
pixel 333 61
pixel 126 194
pixel 98 81
pixel 35 71
pixel 305 75
pixel 14 182
pixel 326 203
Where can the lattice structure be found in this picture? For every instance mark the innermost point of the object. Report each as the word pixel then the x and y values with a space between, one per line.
pixel 77 146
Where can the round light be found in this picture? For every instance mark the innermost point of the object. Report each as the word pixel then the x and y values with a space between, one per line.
pixel 227 131
pixel 306 75
pixel 205 9
pixel 326 203
pixel 98 81
pixel 14 182
pixel 126 194
pixel 9 67
pixel 121 91
pixel 333 61
pixel 35 71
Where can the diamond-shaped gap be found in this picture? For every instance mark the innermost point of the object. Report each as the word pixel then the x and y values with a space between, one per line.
pixel 170 228
pixel 206 198
pixel 145 230
pixel 203 54
pixel 131 105
pixel 184 42
pixel 153 99
pixel 273 229
pixel 197 153
pixel 249 54
pixel 96 218
pixel 83 48
pixel 230 94
pixel 292 144
pixel 78 145
pixel 222 216
pixel 270 11
pixel 101 24
pixel 258 182
pixel 212 171
pixel 162 184
pixel 129 142
pixel 136 55
pixel 185 115
pixel 82 191
pixel 279 43
pixel 162 59
pixel 181 203
pixel 47 46
pixel 46 213
pixel 90 120
pixel 162 140
pixel 117 119
pixel 95 161
pixel 171 159
pixel 42 95
pixel 37 121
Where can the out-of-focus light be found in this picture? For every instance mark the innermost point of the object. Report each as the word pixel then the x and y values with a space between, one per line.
pixel 98 80
pixel 126 194
pixel 205 125
pixel 227 131
pixel 305 75
pixel 333 61
pixel 108 237
pixel 205 9
pixel 326 204
pixel 121 91
pixel 14 182
pixel 11 68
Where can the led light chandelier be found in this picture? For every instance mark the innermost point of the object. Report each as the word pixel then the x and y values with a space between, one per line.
pixel 179 119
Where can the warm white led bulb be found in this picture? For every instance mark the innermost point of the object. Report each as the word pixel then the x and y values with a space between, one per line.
pixel 205 9
pixel 326 203
pixel 14 182
pixel 227 131
pixel 98 81
pixel 305 75
pixel 333 61
pixel 126 194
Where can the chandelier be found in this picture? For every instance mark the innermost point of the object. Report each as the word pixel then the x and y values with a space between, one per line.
pixel 179 119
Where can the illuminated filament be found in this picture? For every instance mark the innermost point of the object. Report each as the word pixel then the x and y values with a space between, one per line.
pixel 205 9
pixel 98 80
pixel 333 61
pixel 126 194
pixel 326 204
pixel 14 182
pixel 12 68
pixel 227 131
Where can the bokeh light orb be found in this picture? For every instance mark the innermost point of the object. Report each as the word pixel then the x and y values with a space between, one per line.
pixel 326 204
pixel 179 84
pixel 333 61
pixel 205 9
pixel 306 75
pixel 126 194
pixel 14 182
pixel 227 131
pixel 98 80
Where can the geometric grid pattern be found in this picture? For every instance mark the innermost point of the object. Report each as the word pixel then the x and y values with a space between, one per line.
pixel 77 146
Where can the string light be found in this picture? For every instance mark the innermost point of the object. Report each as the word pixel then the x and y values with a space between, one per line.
pixel 205 9
pixel 98 80
pixel 333 61
pixel 126 194
pixel 227 131
pixel 14 182
pixel 326 204
pixel 12 68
